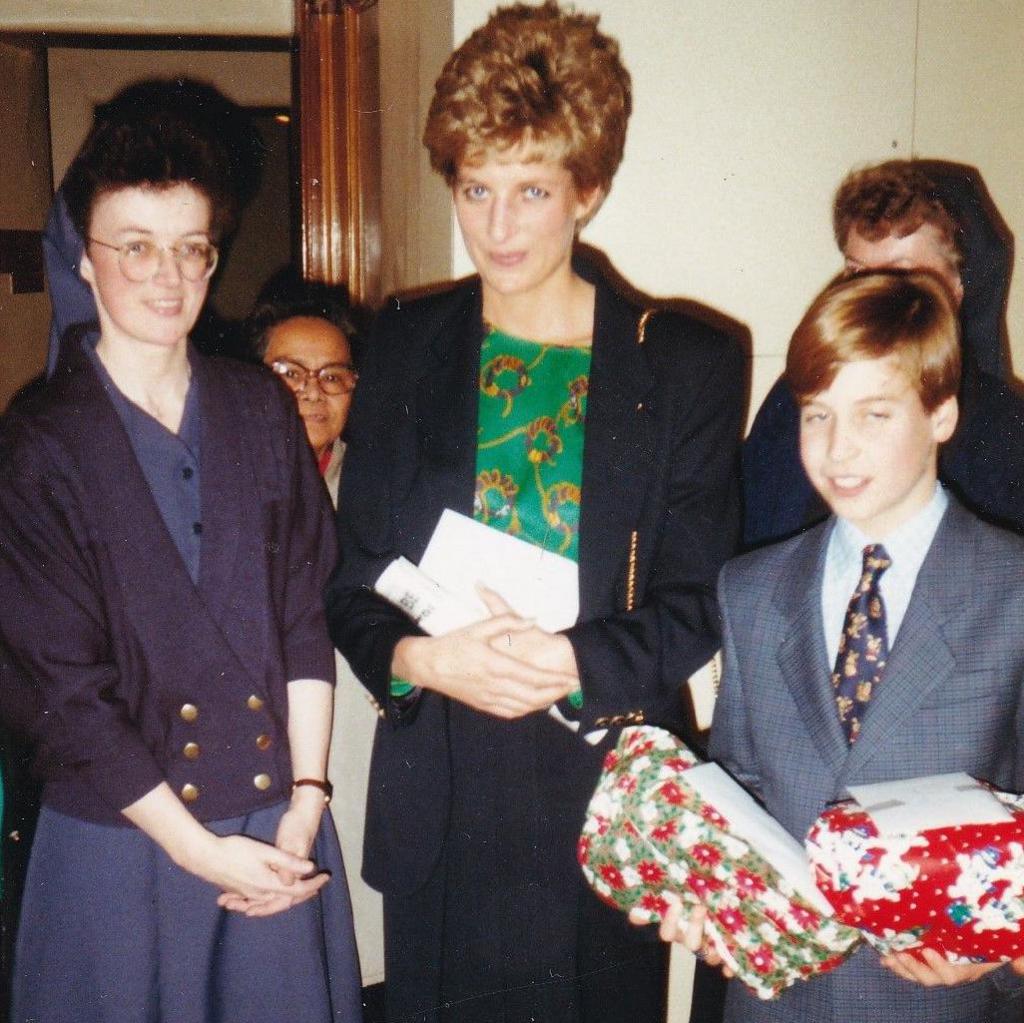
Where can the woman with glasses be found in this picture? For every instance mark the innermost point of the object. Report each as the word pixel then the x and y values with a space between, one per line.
pixel 537 400
pixel 305 335
pixel 164 539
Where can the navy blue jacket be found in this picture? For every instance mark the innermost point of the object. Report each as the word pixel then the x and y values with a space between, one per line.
pixel 110 637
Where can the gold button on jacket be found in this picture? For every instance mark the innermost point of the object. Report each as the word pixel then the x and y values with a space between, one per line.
pixel 262 782
pixel 189 792
pixel 191 750
pixel 189 712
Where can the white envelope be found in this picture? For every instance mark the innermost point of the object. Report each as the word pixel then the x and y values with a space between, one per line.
pixel 536 583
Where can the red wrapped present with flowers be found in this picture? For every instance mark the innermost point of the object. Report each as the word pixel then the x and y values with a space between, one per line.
pixel 933 862
pixel 660 822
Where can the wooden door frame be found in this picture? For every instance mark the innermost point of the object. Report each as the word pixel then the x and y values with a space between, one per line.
pixel 336 92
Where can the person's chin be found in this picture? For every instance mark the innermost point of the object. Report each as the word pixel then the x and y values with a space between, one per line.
pixel 318 437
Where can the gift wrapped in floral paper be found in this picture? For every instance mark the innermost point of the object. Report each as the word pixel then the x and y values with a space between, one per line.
pixel 932 862
pixel 661 823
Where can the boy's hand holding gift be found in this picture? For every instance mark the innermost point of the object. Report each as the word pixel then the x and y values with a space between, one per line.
pixel 662 829
pixel 929 864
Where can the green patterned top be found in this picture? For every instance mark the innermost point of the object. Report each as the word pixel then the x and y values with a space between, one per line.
pixel 529 460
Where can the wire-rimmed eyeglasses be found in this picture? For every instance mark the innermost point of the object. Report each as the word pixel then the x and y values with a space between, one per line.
pixel 140 260
pixel 334 378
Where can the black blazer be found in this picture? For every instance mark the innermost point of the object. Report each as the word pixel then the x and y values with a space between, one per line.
pixel 659 478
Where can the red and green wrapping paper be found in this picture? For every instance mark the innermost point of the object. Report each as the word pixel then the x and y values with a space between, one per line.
pixel 649 832
pixel 957 889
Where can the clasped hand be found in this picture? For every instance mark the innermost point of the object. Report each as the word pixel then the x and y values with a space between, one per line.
pixel 260 879
pixel 922 966
pixel 504 665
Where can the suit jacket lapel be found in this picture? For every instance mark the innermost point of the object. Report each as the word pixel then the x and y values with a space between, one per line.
pixel 445 417
pixel 617 446
pixel 137 536
pixel 921 659
pixel 232 576
pixel 802 657
pixel 226 497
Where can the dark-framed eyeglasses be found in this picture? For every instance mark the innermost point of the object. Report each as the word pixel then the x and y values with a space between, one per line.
pixel 334 378
pixel 140 260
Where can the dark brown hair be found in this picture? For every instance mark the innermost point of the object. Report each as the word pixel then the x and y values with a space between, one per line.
pixel 893 198
pixel 161 133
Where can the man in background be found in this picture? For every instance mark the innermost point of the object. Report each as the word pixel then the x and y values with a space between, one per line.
pixel 915 215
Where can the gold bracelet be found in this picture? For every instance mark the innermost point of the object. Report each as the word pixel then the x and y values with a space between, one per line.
pixel 324 786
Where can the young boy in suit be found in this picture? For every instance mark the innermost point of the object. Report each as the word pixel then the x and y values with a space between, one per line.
pixel 920 672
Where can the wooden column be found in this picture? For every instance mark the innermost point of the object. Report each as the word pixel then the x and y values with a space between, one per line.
pixel 339 143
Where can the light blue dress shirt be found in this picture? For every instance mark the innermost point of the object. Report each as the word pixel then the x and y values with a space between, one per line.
pixel 907 548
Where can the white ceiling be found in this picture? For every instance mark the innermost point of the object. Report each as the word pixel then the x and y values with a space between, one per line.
pixel 151 17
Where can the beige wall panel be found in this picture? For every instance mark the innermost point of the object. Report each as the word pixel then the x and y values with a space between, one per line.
pixel 24 198
pixel 415 39
pixel 970 108
pixel 747 115
pixel 81 78
pixel 191 17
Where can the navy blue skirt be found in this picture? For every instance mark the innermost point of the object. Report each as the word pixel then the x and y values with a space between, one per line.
pixel 113 932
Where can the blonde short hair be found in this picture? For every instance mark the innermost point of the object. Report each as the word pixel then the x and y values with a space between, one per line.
pixel 539 76
pixel 870 316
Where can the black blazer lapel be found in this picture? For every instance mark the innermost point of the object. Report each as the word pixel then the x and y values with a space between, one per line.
pixel 802 657
pixel 618 447
pixel 445 416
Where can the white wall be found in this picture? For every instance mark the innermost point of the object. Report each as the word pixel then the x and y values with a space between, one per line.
pixel 749 112
pixel 970 107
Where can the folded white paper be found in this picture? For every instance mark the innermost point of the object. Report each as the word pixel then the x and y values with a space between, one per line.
pixel 433 608
pixel 535 583
pixel 440 594
pixel 936 801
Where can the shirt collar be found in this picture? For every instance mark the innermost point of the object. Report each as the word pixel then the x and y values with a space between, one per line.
pixel 907 545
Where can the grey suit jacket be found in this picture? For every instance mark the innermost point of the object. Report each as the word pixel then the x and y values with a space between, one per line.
pixel 950 701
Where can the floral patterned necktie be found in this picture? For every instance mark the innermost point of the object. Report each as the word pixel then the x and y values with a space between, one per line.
pixel 863 646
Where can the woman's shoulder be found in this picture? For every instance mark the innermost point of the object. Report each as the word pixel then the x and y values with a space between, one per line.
pixel 251 383
pixel 42 422
pixel 669 329
pixel 432 307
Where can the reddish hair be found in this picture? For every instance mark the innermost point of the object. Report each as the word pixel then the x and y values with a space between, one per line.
pixel 870 316
pixel 542 76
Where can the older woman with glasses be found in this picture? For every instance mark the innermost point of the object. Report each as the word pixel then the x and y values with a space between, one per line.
pixel 536 399
pixel 304 333
pixel 164 539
